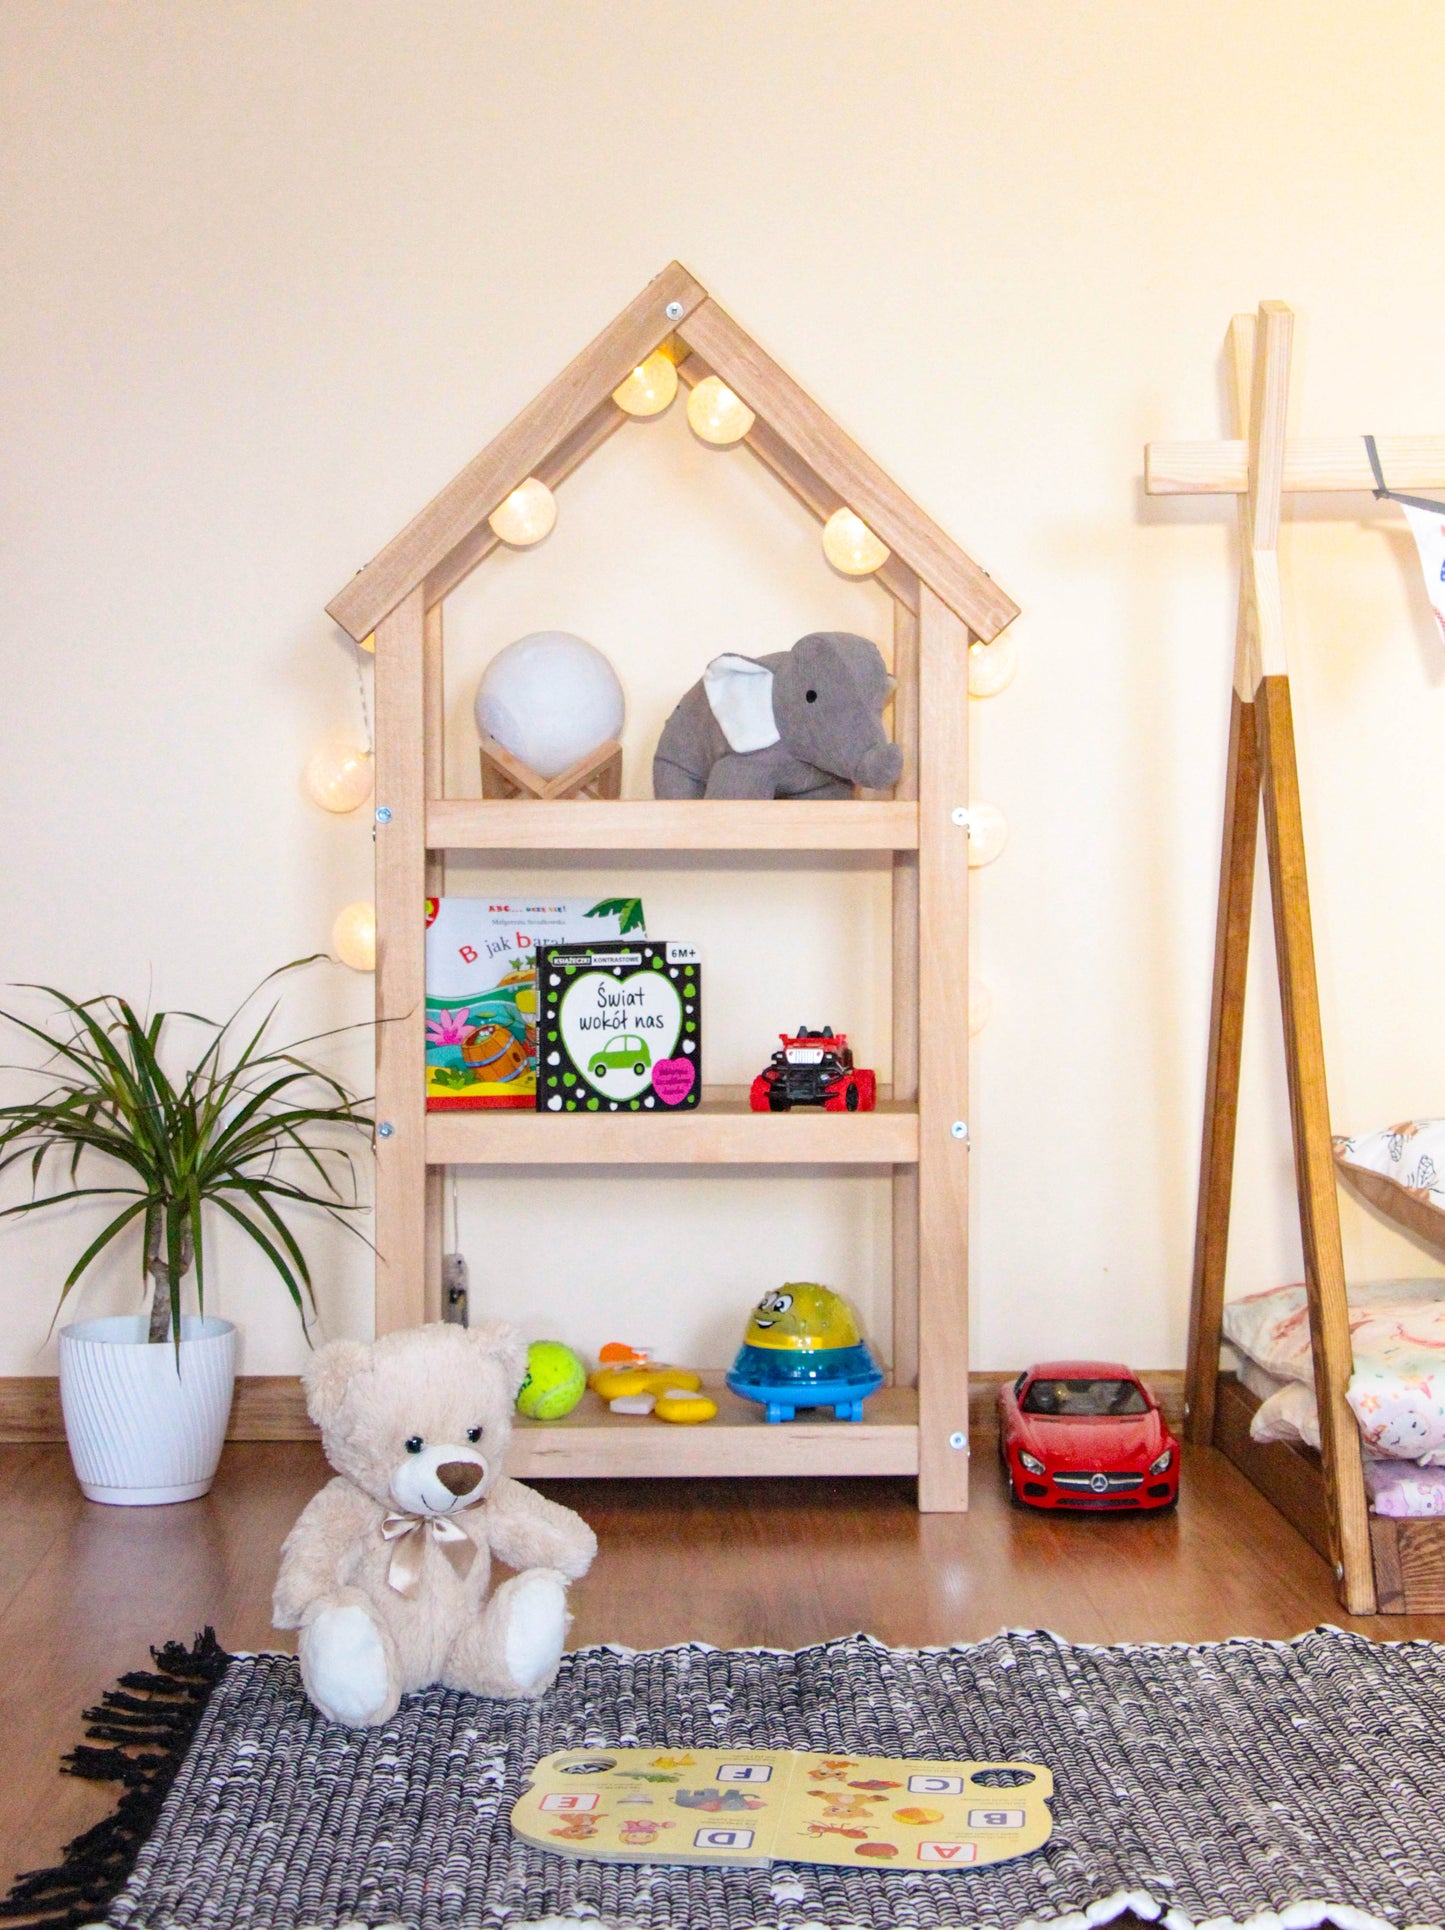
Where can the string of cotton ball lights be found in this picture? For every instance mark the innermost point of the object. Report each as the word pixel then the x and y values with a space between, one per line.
pixel 338 776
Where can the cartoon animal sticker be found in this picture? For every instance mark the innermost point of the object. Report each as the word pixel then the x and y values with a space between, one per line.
pixel 875 1783
pixel 577 1829
pixel 829 1771
pixel 640 1831
pixel 836 1803
pixel 674 1762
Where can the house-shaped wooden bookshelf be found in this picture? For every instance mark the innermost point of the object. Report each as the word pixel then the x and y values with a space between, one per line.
pixel 942 601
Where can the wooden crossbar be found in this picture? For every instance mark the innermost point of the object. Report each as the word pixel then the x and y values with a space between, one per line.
pixel 1311 465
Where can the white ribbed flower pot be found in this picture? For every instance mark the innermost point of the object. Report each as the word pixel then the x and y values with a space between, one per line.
pixel 140 1433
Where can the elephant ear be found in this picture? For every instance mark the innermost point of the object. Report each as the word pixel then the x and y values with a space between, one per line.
pixel 740 695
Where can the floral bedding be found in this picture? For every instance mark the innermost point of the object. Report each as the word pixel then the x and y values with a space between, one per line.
pixel 1397 1329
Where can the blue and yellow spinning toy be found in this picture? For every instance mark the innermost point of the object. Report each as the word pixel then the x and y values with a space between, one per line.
pixel 802 1347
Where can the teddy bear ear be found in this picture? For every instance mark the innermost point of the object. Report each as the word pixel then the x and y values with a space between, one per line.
pixel 329 1373
pixel 501 1342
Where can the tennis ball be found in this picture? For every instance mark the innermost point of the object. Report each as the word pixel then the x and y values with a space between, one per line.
pixel 554 1384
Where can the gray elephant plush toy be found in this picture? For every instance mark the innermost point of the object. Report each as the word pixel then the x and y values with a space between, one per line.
pixel 804 723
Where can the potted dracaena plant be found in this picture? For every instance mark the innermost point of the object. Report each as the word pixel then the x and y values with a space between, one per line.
pixel 249 1133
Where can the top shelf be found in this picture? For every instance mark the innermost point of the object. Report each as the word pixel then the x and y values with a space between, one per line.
pixel 582 824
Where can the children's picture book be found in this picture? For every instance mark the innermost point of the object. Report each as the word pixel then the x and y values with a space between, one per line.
pixel 621 1027
pixel 481 990
pixel 760 1806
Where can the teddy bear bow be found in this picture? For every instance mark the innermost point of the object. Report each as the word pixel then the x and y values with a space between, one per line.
pixel 409 1532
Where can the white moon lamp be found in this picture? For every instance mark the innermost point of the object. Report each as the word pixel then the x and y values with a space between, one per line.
pixel 354 936
pixel 650 387
pixel 526 516
pixel 549 699
pixel 850 546
pixel 338 773
pixel 716 415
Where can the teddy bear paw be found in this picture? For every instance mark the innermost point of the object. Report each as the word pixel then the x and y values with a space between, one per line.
pixel 345 1668
pixel 536 1628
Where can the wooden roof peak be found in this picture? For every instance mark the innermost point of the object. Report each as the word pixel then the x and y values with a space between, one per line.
pixel 575 414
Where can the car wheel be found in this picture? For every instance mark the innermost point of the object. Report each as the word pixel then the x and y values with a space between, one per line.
pixel 639 1068
pixel 778 1102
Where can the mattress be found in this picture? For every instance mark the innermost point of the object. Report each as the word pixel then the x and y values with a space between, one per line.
pixel 1396 1391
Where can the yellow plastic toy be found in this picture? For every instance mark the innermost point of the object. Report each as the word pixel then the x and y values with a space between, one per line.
pixel 611 1383
pixel 687 1408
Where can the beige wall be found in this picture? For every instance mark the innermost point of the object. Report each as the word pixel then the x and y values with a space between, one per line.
pixel 272 272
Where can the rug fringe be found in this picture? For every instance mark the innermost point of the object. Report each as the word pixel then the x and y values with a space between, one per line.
pixel 157 1713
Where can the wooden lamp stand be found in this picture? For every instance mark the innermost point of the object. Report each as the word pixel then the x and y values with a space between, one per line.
pixel 597 775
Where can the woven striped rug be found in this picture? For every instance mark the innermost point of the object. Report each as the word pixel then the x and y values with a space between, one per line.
pixel 1255 1783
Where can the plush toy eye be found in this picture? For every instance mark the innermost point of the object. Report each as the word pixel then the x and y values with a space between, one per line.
pixel 474 1434
pixel 414 1445
pixel 812 696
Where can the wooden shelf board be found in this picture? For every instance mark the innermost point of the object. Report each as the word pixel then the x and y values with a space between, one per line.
pixel 593 1441
pixel 720 1132
pixel 564 825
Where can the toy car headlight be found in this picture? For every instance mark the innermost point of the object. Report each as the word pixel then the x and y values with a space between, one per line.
pixel 1031 1462
pixel 1164 1462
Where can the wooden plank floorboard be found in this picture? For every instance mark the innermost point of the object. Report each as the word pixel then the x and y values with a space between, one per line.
pixel 85 1590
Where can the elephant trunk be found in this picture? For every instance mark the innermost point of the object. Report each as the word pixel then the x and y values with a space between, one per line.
pixel 880 766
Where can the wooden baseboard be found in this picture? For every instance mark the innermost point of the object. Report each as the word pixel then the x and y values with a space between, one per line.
pixel 271 1407
pixel 266 1407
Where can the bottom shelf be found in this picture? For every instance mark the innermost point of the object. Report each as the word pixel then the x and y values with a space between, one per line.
pixel 593 1441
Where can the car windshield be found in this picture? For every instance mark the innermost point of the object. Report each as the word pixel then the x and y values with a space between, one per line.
pixel 1084 1399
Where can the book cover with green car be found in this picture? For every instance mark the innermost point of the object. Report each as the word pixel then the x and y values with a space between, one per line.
pixel 620 1027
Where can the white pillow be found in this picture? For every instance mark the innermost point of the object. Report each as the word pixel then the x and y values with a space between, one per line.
pixel 1401 1170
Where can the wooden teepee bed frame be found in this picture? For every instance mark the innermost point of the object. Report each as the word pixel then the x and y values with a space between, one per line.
pixel 1381 1565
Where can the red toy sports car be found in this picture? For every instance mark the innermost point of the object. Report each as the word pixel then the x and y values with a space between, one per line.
pixel 1085 1434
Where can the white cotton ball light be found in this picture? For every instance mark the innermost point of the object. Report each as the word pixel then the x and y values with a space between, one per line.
pixel 987 834
pixel 850 546
pixel 526 516
pixel 338 773
pixel 716 415
pixel 991 666
pixel 549 699
pixel 354 936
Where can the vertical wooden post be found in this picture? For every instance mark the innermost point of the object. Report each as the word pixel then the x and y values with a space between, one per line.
pixel 943 641
pixel 400 968
pixel 435 784
pixel 1221 1092
pixel 905 1003
pixel 1314 1164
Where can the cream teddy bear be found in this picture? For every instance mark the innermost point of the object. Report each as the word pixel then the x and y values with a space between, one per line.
pixel 386 1571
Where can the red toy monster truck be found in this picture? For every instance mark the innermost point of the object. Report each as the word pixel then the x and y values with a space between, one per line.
pixel 814 1069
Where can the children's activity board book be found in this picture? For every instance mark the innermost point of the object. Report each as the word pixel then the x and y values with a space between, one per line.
pixel 481 990
pixel 760 1806
pixel 621 1028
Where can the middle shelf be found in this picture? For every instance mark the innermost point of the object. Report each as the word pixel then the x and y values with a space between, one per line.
pixel 722 1131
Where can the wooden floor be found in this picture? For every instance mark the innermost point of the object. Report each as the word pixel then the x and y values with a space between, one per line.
pixel 85 1589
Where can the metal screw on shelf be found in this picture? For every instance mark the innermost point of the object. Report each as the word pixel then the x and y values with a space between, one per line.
pixel 959 1129
pixel 957 1440
pixel 959 814
pixel 1339 1571
pixel 383 814
pixel 385 1129
pixel 673 311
